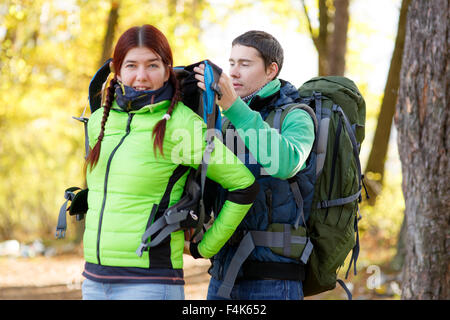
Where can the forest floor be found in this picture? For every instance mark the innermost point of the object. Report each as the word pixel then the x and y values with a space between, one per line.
pixel 59 277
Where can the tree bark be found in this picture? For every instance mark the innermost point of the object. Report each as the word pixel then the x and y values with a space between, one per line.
pixel 423 139
pixel 322 38
pixel 338 43
pixel 331 39
pixel 377 157
pixel 111 24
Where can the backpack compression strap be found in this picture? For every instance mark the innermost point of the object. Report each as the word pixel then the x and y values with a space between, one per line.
pixel 353 197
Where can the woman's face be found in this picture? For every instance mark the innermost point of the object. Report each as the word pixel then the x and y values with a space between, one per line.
pixel 143 69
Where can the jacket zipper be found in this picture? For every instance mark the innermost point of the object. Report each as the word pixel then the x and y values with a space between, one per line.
pixel 105 186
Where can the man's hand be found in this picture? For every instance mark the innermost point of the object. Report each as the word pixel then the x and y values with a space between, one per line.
pixel 186 248
pixel 188 233
pixel 229 95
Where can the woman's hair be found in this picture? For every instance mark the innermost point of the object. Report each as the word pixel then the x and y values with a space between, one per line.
pixel 150 37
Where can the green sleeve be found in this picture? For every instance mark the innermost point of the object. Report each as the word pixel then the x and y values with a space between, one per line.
pixel 281 155
pixel 223 228
pixel 232 175
pixel 227 170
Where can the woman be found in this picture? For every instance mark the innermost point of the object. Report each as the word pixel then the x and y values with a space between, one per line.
pixel 144 143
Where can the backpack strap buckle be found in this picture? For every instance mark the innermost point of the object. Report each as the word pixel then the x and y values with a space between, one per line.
pixel 140 250
pixel 69 195
pixel 322 204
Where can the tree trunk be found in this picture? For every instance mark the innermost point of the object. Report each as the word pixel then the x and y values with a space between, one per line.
pixel 322 38
pixel 398 260
pixel 110 31
pixel 338 42
pixel 377 158
pixel 331 39
pixel 423 139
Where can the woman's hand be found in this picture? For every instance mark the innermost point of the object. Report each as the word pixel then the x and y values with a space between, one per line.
pixel 229 96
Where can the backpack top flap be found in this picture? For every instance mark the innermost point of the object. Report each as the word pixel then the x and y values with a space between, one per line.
pixel 96 84
pixel 343 92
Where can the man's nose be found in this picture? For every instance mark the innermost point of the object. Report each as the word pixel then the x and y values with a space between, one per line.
pixel 234 71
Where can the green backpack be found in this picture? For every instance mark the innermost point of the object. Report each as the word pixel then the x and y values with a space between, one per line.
pixel 333 221
pixel 338 110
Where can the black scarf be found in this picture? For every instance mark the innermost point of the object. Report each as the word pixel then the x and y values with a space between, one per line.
pixel 130 99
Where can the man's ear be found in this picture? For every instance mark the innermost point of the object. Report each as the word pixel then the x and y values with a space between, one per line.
pixel 272 71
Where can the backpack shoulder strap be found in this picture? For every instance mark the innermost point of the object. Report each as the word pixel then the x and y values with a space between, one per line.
pixel 225 124
pixel 276 117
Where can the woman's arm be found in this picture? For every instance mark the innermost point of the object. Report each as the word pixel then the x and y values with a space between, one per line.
pixel 227 170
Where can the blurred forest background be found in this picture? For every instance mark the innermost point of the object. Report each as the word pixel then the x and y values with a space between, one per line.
pixel 50 49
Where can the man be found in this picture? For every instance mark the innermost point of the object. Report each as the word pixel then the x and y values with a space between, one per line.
pixel 249 94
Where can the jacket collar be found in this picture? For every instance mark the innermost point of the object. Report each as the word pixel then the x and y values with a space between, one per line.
pixel 129 99
pixel 287 94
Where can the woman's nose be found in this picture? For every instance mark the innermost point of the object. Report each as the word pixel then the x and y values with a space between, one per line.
pixel 140 73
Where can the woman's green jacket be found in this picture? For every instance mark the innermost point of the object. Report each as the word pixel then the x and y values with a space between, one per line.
pixel 131 177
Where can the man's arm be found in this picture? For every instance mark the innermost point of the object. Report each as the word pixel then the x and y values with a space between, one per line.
pixel 283 154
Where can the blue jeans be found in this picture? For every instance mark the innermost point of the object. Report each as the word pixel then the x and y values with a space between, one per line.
pixel 259 290
pixel 93 290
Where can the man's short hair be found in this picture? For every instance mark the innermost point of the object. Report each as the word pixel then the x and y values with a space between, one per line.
pixel 266 44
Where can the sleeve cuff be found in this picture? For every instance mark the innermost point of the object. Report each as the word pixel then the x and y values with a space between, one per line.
pixel 193 248
pixel 238 113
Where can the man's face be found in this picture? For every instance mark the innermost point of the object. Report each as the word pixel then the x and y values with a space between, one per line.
pixel 247 70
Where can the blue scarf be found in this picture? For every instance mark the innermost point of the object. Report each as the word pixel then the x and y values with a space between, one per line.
pixel 130 99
